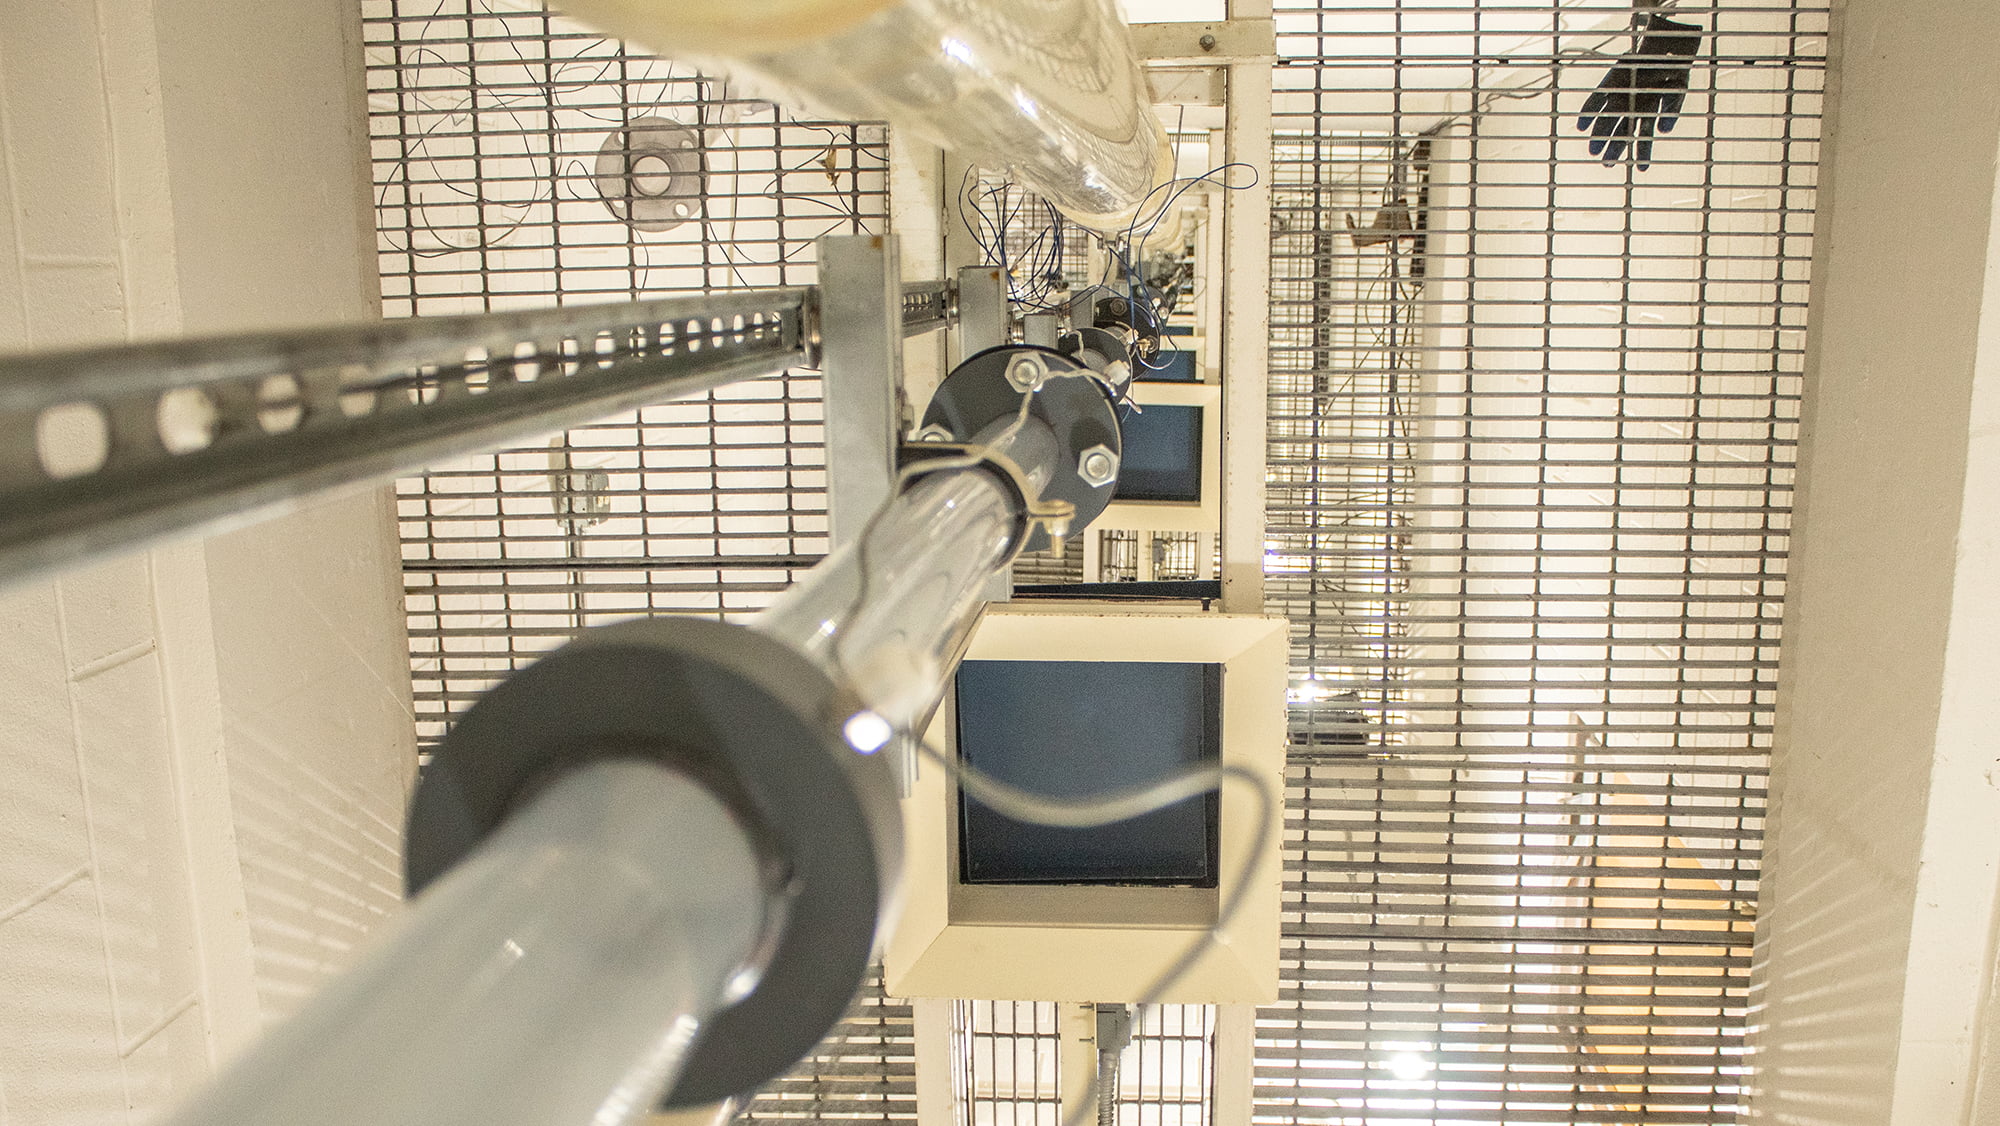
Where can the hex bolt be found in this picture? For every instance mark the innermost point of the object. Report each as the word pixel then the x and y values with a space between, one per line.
pixel 1207 42
pixel 1098 466
pixel 934 433
pixel 1026 372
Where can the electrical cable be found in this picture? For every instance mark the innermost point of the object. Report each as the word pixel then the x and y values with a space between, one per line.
pixel 1121 805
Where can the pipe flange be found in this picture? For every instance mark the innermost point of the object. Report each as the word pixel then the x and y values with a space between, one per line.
pixel 764 728
pixel 649 174
pixel 1103 351
pixel 1072 401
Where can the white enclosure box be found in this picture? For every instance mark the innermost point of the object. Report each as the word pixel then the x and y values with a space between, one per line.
pixel 1196 513
pixel 1106 940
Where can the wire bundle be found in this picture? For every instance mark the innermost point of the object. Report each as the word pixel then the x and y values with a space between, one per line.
pixel 1022 235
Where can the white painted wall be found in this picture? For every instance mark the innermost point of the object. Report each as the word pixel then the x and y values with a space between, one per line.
pixel 1874 981
pixel 204 749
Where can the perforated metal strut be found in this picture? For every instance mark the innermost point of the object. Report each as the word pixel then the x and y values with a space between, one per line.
pixel 107 449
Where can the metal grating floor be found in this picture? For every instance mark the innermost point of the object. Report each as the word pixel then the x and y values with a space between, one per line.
pixel 1531 470
pixel 1531 449
pixel 493 130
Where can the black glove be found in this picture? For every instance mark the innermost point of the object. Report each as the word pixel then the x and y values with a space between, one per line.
pixel 1644 91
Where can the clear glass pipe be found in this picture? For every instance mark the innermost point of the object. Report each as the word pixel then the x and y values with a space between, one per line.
pixel 885 614
pixel 1047 91
pixel 557 975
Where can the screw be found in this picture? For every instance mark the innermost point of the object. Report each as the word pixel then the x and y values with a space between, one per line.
pixel 1207 42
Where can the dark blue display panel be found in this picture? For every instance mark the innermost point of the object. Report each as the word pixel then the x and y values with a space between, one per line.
pixel 1078 729
pixel 1170 366
pixel 1162 455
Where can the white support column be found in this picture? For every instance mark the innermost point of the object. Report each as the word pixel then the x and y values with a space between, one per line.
pixel 1076 1023
pixel 937 1101
pixel 1874 989
pixel 1235 1065
pixel 184 729
pixel 1246 325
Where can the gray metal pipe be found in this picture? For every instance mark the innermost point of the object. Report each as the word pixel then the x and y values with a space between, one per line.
pixel 557 975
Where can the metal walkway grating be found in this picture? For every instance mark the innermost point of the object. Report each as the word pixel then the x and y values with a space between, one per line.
pixel 1531 447
pixel 511 149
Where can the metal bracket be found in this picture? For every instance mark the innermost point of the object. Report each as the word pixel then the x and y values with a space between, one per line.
pixel 982 309
pixel 861 346
pixel 107 449
pixel 1229 41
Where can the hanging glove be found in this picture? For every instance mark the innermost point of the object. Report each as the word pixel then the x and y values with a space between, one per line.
pixel 1644 91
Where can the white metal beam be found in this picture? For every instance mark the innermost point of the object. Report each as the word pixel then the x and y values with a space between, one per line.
pixel 1246 324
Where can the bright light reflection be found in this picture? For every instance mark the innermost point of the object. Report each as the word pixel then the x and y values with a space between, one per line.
pixel 867 732
pixel 1409 1066
pixel 957 50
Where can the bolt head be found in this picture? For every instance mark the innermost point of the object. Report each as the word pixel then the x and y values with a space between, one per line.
pixel 1026 372
pixel 1098 466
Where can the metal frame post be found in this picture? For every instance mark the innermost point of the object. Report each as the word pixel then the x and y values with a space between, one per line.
pixel 1246 325
pixel 861 358
pixel 982 309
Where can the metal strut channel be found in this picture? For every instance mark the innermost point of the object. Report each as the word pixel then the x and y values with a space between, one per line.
pixel 108 448
pixel 928 305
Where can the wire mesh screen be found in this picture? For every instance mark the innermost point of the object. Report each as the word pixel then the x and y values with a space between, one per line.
pixel 1007 1063
pixel 521 161
pixel 1531 448
pixel 1166 1075
pixel 524 161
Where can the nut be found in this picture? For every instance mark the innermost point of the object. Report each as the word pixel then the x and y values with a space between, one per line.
pixel 935 432
pixel 1025 372
pixel 1098 466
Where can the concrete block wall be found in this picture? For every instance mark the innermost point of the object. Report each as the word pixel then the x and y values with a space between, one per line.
pixel 205 748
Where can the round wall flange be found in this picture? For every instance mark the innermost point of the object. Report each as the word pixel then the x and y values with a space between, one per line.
pixel 1072 400
pixel 649 174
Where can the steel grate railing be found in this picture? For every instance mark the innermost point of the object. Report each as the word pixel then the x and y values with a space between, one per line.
pixel 1007 1063
pixel 512 155
pixel 524 161
pixel 1166 1075
pixel 1532 431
